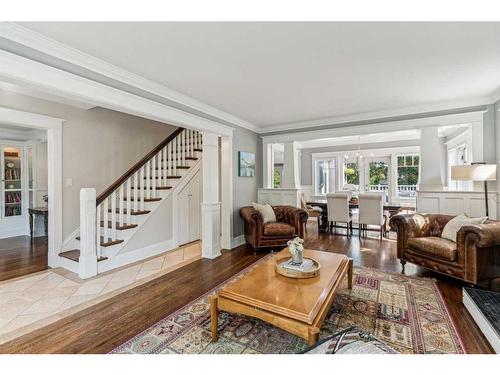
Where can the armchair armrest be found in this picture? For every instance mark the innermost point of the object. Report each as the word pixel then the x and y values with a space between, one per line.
pixel 487 235
pixel 251 215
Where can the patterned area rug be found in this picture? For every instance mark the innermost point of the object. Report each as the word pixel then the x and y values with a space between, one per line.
pixel 408 313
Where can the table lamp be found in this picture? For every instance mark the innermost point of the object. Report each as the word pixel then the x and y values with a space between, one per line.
pixel 476 172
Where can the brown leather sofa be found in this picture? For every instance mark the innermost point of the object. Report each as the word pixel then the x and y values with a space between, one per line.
pixel 474 257
pixel 290 223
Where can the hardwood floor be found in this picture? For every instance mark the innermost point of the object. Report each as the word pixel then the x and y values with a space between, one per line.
pixel 102 327
pixel 20 256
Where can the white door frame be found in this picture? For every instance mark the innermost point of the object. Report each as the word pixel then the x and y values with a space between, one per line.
pixel 54 168
pixel 226 166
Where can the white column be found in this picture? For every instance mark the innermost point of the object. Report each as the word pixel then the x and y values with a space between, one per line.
pixel 88 255
pixel 210 223
pixel 267 165
pixel 291 166
pixel 431 160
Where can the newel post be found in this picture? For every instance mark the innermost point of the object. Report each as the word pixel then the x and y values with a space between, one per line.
pixel 88 251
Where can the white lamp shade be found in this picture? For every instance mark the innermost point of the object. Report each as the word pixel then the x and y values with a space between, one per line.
pixel 475 172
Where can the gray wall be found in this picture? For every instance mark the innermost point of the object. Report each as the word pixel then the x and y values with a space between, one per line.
pixel 306 154
pixel 489 142
pixel 99 145
pixel 245 188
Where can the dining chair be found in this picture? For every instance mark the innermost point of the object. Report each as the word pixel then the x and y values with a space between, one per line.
pixel 371 212
pixel 312 211
pixel 337 205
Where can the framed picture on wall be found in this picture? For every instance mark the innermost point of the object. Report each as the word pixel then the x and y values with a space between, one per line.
pixel 246 164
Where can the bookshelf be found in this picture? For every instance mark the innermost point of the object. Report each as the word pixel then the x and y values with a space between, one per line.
pixel 12 181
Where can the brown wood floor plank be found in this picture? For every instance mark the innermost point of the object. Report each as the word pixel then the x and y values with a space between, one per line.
pixel 103 327
pixel 20 256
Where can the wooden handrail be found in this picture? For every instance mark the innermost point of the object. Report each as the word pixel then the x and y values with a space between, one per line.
pixel 115 185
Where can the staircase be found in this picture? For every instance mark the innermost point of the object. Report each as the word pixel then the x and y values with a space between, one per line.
pixel 124 207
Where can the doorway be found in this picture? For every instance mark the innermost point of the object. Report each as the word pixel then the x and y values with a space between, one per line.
pixel 23 200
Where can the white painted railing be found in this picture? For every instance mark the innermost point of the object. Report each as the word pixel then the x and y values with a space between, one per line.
pixel 136 188
pixel 407 190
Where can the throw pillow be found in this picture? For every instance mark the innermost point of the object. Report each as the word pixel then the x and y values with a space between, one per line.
pixel 351 341
pixel 266 211
pixel 451 228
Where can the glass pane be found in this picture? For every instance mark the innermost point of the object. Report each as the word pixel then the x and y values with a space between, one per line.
pixel 416 160
pixel 351 174
pixel 325 176
pixel 12 184
pixel 401 161
pixel 277 177
pixel 409 160
pixel 407 181
pixel 378 176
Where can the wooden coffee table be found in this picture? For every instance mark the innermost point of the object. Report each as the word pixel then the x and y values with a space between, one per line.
pixel 298 306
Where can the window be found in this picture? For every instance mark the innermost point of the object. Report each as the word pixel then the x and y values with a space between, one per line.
pixel 277 176
pixel 351 174
pixel 378 175
pixel 324 171
pixel 407 175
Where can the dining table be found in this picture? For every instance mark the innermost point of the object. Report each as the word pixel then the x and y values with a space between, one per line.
pixel 391 208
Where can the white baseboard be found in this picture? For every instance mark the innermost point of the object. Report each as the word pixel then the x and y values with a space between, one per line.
pixel 237 241
pixel 134 256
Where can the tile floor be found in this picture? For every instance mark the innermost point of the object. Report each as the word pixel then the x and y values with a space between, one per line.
pixel 29 302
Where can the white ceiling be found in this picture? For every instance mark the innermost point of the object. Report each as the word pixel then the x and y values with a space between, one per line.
pixel 275 73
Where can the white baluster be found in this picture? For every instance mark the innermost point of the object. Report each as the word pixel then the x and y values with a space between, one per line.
pixel 141 190
pixel 183 148
pixel 190 143
pixel 113 216
pixel 174 165
pixel 137 185
pixel 154 181
pixel 169 160
pixel 148 179
pixel 163 166
pixel 129 200
pixel 98 231
pixel 121 206
pixel 105 219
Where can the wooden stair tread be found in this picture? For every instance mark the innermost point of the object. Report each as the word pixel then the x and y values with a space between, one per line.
pixel 158 188
pixel 145 199
pixel 133 213
pixel 74 255
pixel 118 227
pixel 186 158
pixel 106 244
pixel 179 167
pixel 163 178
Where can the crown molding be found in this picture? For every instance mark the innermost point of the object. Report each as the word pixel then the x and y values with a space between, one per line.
pixel 21 70
pixel 378 116
pixel 41 43
pixel 375 127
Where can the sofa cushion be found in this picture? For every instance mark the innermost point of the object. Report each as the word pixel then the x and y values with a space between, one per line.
pixel 278 229
pixel 434 246
pixel 452 227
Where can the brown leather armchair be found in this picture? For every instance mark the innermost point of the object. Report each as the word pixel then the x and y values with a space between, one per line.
pixel 474 257
pixel 290 223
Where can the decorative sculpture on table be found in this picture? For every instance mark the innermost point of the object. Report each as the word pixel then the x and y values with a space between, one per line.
pixel 296 248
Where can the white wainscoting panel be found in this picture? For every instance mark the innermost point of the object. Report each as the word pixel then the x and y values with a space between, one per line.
pixel 456 203
pixel 276 197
